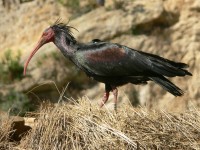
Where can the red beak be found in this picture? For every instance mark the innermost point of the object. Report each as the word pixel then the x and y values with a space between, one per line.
pixel 41 42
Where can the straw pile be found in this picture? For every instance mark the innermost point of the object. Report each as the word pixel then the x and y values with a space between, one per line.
pixel 5 132
pixel 83 125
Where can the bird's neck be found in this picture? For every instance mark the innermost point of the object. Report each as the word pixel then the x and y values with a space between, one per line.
pixel 65 44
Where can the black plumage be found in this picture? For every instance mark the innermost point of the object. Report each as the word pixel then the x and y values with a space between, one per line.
pixel 112 63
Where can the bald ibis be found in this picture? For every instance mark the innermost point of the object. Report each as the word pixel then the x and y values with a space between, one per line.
pixel 111 63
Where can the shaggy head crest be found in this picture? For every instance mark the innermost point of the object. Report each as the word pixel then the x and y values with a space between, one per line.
pixel 64 27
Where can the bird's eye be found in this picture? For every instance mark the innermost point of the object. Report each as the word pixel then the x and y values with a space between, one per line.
pixel 45 32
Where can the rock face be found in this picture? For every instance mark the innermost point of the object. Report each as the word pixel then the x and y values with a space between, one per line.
pixel 24 22
pixel 106 24
pixel 167 28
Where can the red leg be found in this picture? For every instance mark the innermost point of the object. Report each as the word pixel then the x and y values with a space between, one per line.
pixel 105 99
pixel 106 95
pixel 115 93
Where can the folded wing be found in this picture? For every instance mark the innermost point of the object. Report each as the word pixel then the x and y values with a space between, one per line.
pixel 105 59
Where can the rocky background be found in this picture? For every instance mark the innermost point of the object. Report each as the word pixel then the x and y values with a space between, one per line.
pixel 169 28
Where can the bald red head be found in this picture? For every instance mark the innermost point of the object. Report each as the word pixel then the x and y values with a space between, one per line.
pixel 47 36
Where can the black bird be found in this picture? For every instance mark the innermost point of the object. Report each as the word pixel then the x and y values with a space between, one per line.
pixel 111 63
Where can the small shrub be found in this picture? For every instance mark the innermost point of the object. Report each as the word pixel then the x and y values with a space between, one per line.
pixel 16 102
pixel 75 7
pixel 10 67
pixel 118 4
pixel 73 4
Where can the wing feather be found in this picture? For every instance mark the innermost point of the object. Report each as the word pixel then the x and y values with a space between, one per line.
pixel 110 60
pixel 107 59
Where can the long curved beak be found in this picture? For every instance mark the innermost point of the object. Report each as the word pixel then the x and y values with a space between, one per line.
pixel 41 42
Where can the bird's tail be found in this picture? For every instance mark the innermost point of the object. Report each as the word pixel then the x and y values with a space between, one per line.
pixel 167 85
pixel 167 67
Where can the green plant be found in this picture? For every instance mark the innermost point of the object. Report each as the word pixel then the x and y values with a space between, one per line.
pixel 118 4
pixel 76 8
pixel 16 102
pixel 10 67
pixel 136 30
pixel 73 4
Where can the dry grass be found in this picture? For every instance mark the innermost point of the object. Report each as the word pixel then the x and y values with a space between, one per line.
pixel 84 126
pixel 5 132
